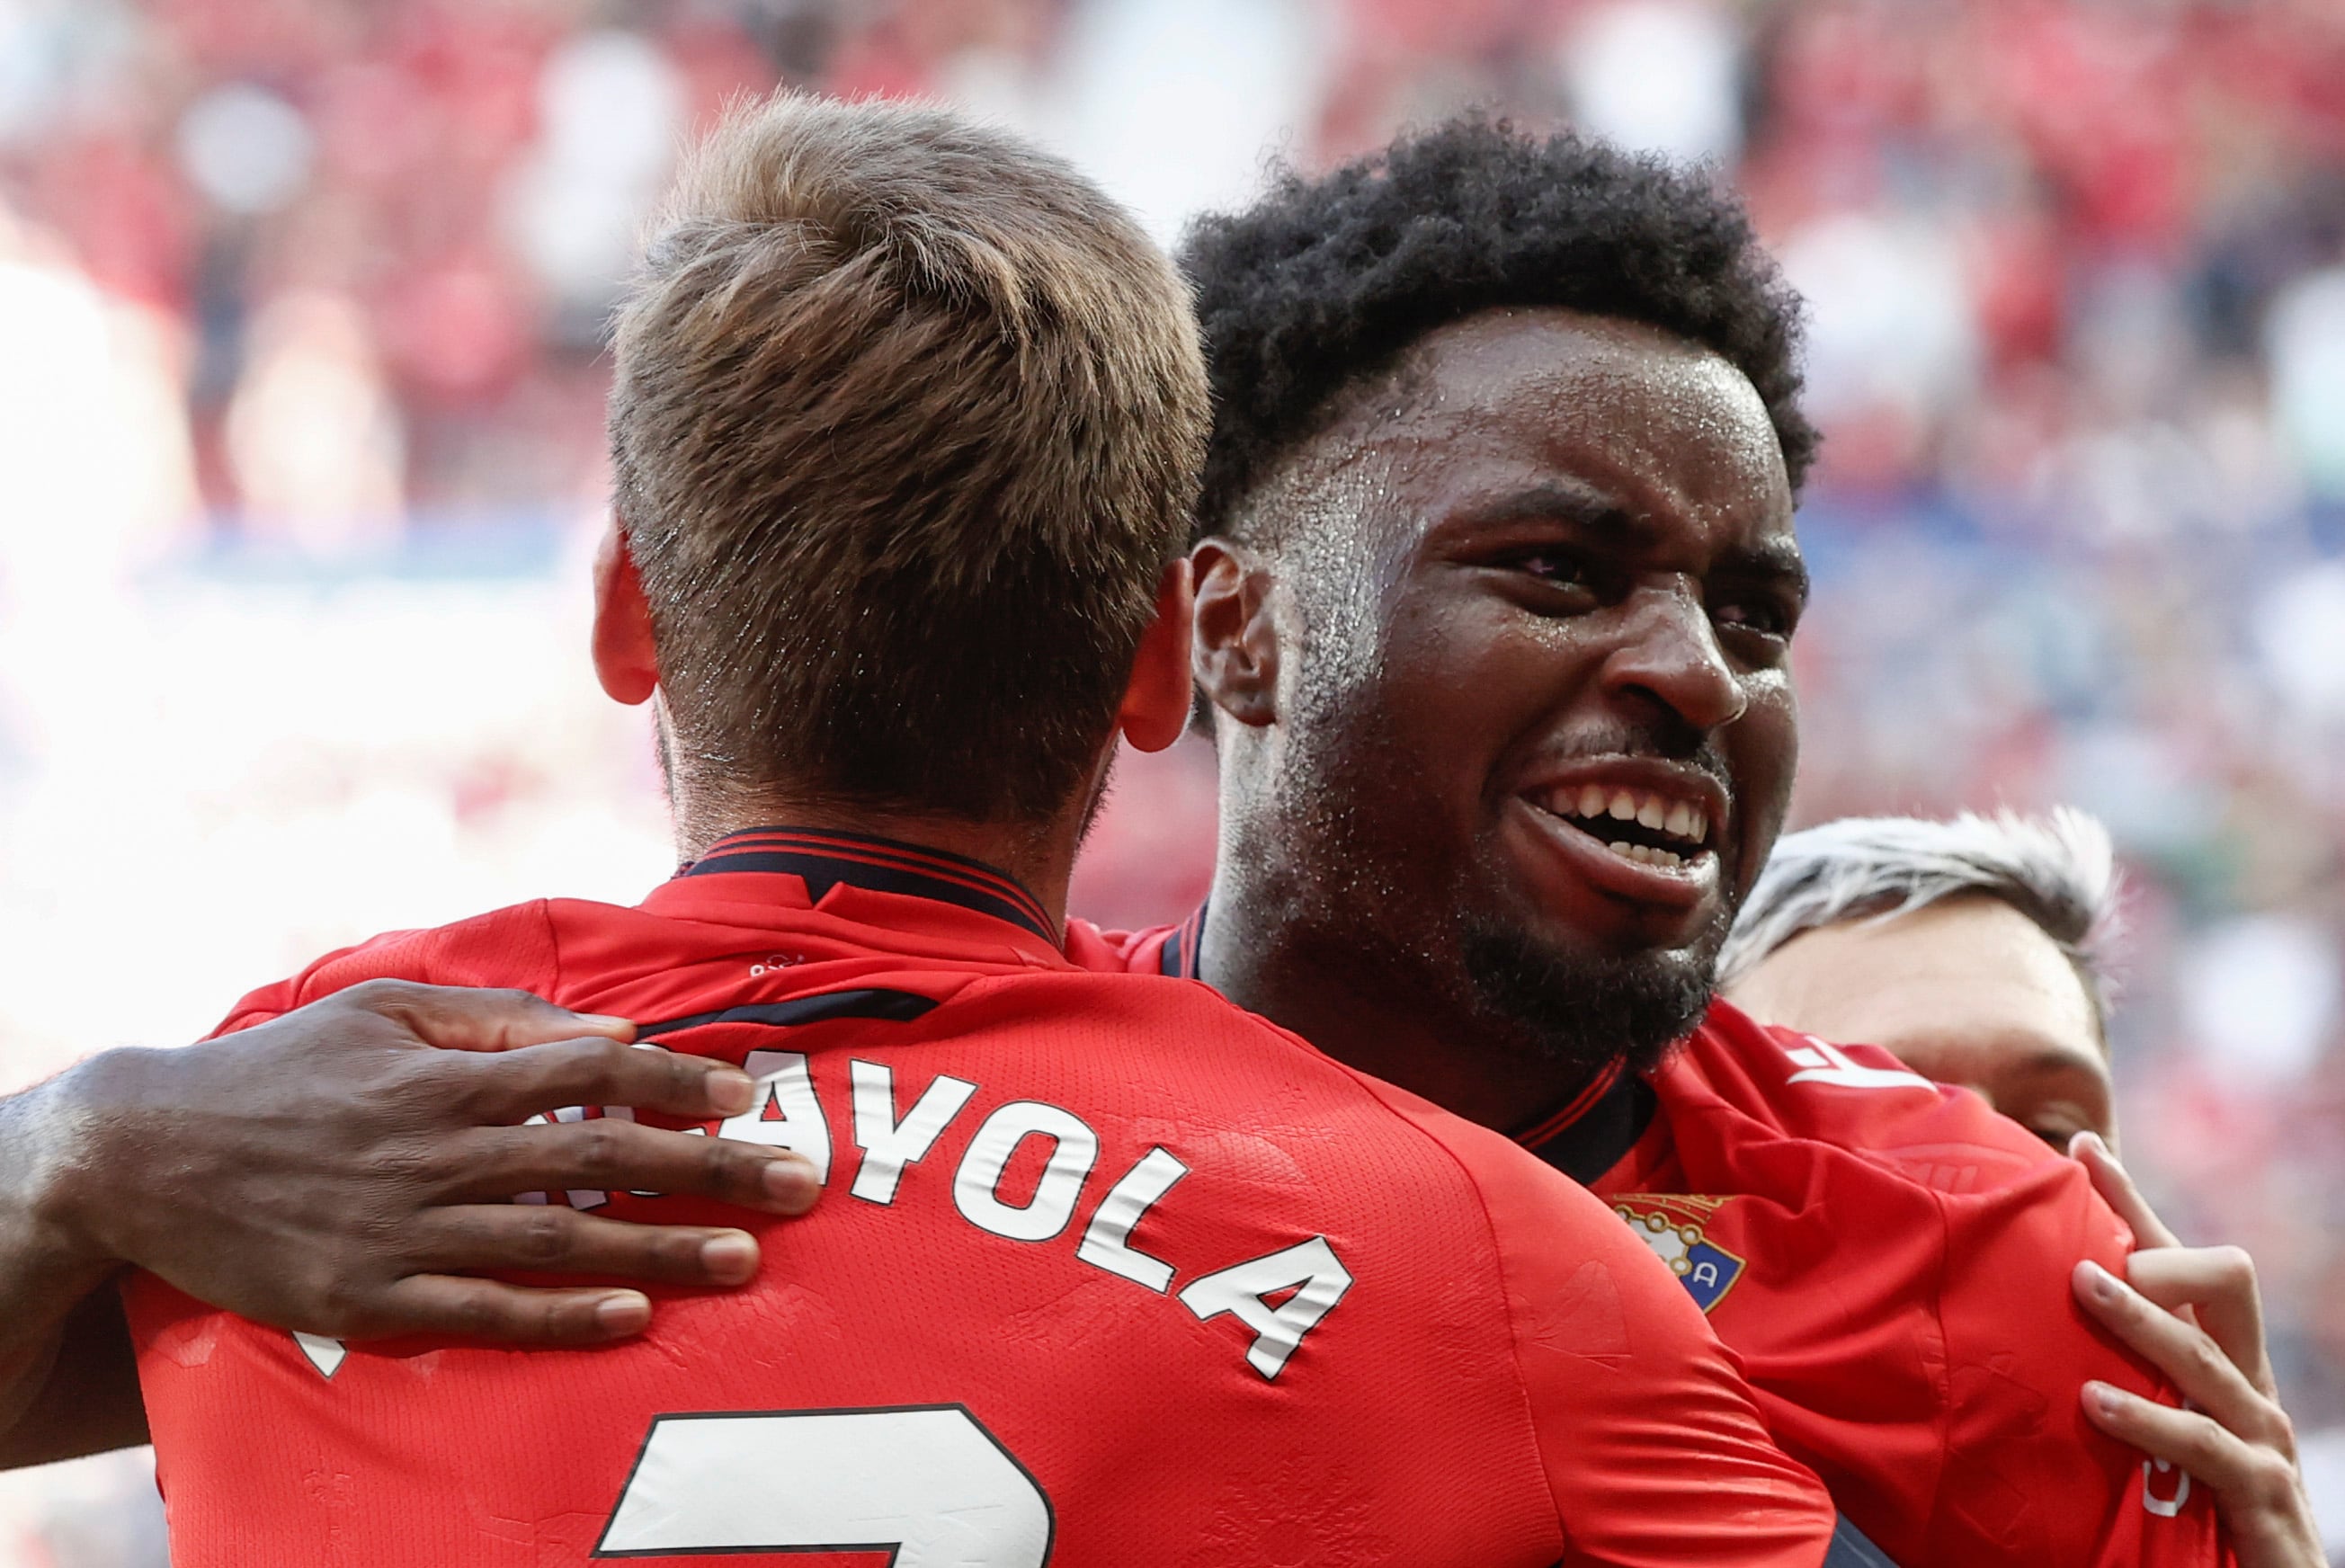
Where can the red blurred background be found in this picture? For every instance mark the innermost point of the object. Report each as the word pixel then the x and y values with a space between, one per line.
pixel 300 434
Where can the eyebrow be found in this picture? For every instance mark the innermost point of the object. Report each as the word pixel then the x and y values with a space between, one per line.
pixel 1778 562
pixel 2056 1060
pixel 2040 1063
pixel 1581 505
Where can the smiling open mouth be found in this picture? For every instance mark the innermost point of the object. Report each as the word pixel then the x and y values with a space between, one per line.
pixel 1649 827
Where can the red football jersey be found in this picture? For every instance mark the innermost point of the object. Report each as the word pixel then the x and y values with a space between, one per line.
pixel 1110 1273
pixel 1890 1258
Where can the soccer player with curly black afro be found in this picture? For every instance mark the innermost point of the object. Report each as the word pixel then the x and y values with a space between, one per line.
pixel 1496 584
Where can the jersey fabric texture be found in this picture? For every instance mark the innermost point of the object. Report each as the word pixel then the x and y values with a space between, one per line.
pixel 1108 1273
pixel 1890 1260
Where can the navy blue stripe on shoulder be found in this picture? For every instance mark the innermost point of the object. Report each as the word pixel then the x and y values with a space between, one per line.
pixel 894 1007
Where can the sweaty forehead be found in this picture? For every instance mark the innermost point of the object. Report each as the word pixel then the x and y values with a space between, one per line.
pixel 1665 424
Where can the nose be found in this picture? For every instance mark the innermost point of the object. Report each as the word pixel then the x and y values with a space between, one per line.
pixel 1669 653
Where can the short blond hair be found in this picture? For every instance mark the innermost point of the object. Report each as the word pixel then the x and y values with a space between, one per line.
pixel 907 421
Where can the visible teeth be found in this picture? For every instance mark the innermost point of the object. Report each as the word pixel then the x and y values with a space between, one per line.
pixel 1625 851
pixel 1643 855
pixel 1679 819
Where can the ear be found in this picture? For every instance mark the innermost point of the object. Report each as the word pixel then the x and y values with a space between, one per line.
pixel 1236 662
pixel 1156 702
pixel 625 660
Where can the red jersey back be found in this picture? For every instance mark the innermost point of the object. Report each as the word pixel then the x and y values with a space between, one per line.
pixel 1109 1274
pixel 1890 1258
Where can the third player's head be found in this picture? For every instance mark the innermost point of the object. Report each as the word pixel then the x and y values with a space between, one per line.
pixel 905 423
pixel 1498 506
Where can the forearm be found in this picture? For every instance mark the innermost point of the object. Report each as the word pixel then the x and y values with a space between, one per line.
pixel 49 1268
pixel 88 1401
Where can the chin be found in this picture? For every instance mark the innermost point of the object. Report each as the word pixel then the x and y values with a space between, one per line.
pixel 1586 1005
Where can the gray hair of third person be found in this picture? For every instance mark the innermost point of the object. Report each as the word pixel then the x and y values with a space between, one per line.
pixel 2059 870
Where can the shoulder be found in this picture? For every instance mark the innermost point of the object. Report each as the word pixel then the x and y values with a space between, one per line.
pixel 1922 1180
pixel 1142 1012
pixel 1787 1118
pixel 1561 1249
pixel 515 946
pixel 1853 1096
pixel 1222 1061
pixel 1654 1445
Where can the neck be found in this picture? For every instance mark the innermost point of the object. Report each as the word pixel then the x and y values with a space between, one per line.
pixel 1040 855
pixel 1364 1001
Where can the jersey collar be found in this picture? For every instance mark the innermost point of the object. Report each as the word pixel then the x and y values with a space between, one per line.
pixel 1178 957
pixel 1597 1130
pixel 825 861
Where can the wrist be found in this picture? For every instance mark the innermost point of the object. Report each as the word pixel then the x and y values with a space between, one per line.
pixel 71 1146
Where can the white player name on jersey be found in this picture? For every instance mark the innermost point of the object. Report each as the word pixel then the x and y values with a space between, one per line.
pixel 789 1113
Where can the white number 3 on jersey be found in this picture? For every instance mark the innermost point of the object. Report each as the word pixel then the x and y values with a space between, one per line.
pixel 925 1482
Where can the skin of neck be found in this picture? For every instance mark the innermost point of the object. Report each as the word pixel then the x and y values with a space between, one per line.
pixel 1039 855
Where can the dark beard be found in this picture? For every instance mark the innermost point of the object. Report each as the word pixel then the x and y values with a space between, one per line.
pixel 1588 1012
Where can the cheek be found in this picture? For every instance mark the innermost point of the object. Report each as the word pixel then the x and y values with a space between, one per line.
pixel 1458 681
pixel 1771 741
pixel 1763 750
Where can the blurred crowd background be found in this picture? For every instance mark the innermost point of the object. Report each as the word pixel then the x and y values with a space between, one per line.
pixel 301 314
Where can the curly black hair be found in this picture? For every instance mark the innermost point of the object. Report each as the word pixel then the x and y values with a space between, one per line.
pixel 1325 281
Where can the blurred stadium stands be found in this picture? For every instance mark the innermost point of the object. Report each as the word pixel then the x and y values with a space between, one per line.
pixel 300 316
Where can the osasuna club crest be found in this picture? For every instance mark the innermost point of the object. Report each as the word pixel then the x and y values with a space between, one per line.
pixel 1672 1224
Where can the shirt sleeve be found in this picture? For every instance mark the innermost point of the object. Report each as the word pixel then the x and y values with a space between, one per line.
pixel 487 950
pixel 281 997
pixel 2022 1464
pixel 2020 1476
